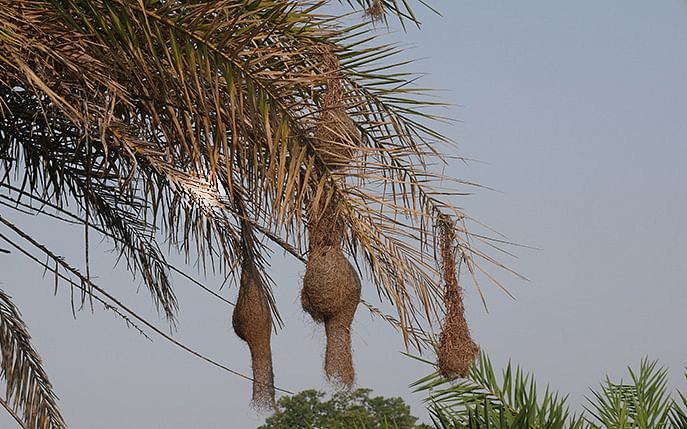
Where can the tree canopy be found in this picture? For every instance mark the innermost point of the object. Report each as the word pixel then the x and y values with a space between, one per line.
pixel 344 410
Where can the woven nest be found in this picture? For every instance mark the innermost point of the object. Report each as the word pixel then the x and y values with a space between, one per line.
pixel 330 285
pixel 326 228
pixel 335 135
pixel 331 292
pixel 336 138
pixel 338 359
pixel 457 351
pixel 252 322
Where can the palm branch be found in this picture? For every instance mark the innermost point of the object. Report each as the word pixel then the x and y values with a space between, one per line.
pixel 166 113
pixel 643 403
pixel 484 400
pixel 512 400
pixel 28 388
pixel 193 122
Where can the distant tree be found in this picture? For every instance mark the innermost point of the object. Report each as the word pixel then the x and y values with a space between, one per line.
pixel 356 409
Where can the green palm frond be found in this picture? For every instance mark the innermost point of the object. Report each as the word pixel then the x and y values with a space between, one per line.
pixel 678 413
pixel 27 386
pixel 483 401
pixel 645 403
pixel 512 401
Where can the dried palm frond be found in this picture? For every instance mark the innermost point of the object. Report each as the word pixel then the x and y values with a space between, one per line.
pixel 155 119
pixel 28 388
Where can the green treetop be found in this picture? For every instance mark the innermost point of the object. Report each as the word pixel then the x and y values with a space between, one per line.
pixel 355 409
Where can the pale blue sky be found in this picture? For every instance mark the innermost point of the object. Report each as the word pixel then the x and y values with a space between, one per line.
pixel 578 114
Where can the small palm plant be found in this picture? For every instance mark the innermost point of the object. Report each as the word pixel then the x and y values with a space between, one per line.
pixel 513 401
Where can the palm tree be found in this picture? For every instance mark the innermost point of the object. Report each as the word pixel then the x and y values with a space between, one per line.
pixel 221 127
pixel 512 400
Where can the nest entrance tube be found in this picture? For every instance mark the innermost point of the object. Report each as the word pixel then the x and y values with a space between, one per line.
pixel 457 351
pixel 252 322
pixel 331 293
pixel 338 359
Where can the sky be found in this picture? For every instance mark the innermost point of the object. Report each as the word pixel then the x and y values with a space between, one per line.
pixel 575 115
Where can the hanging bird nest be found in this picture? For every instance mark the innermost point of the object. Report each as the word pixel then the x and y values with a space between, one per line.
pixel 457 351
pixel 331 293
pixel 335 136
pixel 330 283
pixel 252 322
pixel 326 228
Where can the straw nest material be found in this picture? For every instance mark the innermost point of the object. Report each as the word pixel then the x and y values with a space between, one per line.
pixel 331 292
pixel 338 360
pixel 330 286
pixel 336 135
pixel 376 11
pixel 326 229
pixel 252 322
pixel 457 351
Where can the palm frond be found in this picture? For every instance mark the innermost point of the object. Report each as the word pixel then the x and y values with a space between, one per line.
pixel 643 404
pixel 157 117
pixel 482 400
pixel 27 385
pixel 678 413
pixel 512 401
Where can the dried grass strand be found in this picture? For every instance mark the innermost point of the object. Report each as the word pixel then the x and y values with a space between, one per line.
pixel 376 11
